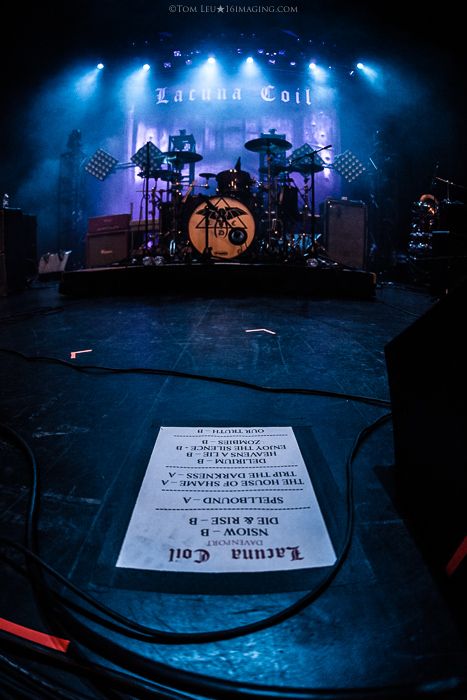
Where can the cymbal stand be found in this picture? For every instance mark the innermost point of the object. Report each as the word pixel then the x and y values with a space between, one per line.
pixel 271 196
pixel 313 194
pixel 175 207
pixel 146 173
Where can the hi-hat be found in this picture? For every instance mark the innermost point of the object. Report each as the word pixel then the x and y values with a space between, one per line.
pixel 183 156
pixel 207 175
pixel 265 143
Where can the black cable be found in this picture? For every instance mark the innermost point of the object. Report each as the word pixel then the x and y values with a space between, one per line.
pixel 217 688
pixel 121 681
pixel 34 680
pixel 381 403
pixel 163 636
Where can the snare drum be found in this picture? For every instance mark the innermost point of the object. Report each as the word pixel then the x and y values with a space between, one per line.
pixel 234 183
pixel 228 223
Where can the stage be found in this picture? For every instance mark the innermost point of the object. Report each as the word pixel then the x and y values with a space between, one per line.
pixel 219 278
pixel 232 453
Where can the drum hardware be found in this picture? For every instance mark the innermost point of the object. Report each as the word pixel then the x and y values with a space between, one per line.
pixel 448 184
pixel 159 174
pixel 233 183
pixel 148 158
pixel 268 145
pixel 207 177
pixel 307 165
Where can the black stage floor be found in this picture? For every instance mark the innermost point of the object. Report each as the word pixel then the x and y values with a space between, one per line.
pixel 382 621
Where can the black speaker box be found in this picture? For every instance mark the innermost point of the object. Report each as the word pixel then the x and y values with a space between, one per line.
pixel 17 250
pixel 103 249
pixel 427 370
pixel 345 231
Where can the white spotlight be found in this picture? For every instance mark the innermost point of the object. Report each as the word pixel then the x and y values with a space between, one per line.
pixel 146 67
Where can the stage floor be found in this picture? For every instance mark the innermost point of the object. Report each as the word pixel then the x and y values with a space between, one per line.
pixel 381 622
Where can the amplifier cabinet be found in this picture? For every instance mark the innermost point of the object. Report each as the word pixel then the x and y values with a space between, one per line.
pixel 106 248
pixel 345 231
pixel 111 222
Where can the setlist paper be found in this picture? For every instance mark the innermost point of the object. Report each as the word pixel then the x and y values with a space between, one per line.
pixel 225 500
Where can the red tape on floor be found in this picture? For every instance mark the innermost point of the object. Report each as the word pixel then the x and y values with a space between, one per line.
pixel 457 557
pixel 46 640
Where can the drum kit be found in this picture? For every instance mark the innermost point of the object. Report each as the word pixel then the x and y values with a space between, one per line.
pixel 271 218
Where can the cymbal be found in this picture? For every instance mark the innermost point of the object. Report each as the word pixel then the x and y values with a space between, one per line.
pixel 207 175
pixel 266 143
pixel 183 156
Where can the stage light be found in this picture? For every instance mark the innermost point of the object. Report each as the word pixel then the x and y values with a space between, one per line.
pixel 101 164
pixel 272 60
pixel 148 155
pixel 348 165
pixel 100 66
pixel 177 53
pixel 211 60
pixel 293 63
pixel 188 62
pixel 249 59
pixel 167 64
pixel 319 73
pixel 146 67
pixel 87 84
pixel 369 73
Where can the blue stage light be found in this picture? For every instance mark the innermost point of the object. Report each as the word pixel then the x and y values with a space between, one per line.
pixel 312 65
pixel 146 67
pixel 360 66
pixel 211 60
pixel 100 66
pixel 249 59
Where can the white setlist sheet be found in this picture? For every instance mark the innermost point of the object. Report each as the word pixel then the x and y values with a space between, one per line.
pixel 224 500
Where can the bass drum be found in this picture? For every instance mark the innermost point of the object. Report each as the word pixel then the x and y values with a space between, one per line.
pixel 229 224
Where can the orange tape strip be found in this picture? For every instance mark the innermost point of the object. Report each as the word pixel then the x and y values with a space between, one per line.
pixel 46 640
pixel 457 557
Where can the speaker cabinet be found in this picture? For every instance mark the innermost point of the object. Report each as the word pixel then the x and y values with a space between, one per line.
pixel 17 250
pixel 428 385
pixel 345 231
pixel 103 249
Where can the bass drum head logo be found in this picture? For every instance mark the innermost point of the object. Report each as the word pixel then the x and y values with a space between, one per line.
pixel 229 225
